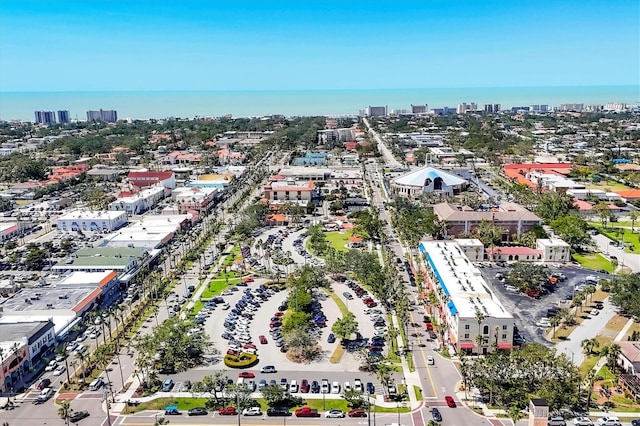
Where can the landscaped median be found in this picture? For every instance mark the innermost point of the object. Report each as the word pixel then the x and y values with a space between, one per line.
pixel 244 360
pixel 320 404
pixel 593 261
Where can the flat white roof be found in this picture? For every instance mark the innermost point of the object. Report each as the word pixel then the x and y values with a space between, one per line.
pixel 461 281
pixel 97 214
pixel 84 278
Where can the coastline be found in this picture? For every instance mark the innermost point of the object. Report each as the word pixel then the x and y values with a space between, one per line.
pixel 248 103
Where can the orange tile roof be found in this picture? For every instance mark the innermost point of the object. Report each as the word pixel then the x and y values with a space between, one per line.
pixel 582 205
pixel 630 194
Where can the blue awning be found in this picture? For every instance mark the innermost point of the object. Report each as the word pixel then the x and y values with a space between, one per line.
pixel 452 308
pixel 437 274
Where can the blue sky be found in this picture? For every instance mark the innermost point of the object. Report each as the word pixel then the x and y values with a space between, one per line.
pixel 305 44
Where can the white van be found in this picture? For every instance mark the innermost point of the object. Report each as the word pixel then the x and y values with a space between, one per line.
pixel 511 288
pixel 96 384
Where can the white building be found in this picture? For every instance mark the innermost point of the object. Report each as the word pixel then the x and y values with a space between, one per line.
pixel 554 250
pixel 472 248
pixel 467 305
pixel 88 220
pixel 427 179
pixel 198 199
pixel 583 194
pixel 150 232
pixel 336 137
pixel 139 202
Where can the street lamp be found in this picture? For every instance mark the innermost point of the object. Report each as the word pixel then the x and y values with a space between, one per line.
pixel 106 402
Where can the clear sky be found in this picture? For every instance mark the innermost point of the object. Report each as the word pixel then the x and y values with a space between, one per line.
pixel 307 44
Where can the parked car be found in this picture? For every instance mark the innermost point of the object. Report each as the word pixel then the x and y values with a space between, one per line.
pixel 252 411
pixel 335 414
pixel 609 421
pixel 582 421
pixel 370 388
pixel 167 385
pixel 51 366
pixel 227 411
pixel 197 411
pixel 556 421
pixel 268 369
pixel 278 411
pixel 331 338
pixel 246 375
pixel 357 412
pixel 43 384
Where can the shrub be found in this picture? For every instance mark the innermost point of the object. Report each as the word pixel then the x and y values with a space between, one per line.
pixel 244 360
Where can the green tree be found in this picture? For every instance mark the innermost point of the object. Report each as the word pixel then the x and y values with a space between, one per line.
pixel 354 398
pixel 553 205
pixel 572 230
pixel 273 394
pixel 527 275
pixel 344 327
pixel 488 233
pixel 625 293
pixel 604 213
pixel 65 411
pixel 514 413
pixel 590 345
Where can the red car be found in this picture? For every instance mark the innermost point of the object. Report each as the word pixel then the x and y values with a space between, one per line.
pixel 274 324
pixel 278 314
pixel 304 386
pixel 249 346
pixel 248 280
pixel 358 412
pixel 232 352
pixel 246 375
pixel 227 411
pixel 450 402
pixel 262 339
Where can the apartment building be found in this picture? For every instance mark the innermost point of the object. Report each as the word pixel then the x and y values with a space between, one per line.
pixel 467 307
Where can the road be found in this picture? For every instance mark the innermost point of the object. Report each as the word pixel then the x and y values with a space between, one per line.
pixel 436 380
pixel 389 159
pixel 625 259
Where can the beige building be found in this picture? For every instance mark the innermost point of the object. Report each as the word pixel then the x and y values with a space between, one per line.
pixel 554 250
pixel 512 218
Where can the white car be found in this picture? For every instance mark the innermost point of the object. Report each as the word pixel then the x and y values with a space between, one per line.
pixel 334 414
pixel 430 360
pixel 335 387
pixel 325 386
pixel 347 386
pixel 51 366
pixel 293 386
pixel 357 385
pixel 609 421
pixel 58 371
pixel 582 421
pixel 252 411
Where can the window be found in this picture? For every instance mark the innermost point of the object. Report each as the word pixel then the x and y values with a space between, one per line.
pixel 485 329
pixel 504 337
pixel 466 327
pixel 504 327
pixel 466 336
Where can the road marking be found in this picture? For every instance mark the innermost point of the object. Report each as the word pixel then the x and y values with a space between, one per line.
pixel 424 358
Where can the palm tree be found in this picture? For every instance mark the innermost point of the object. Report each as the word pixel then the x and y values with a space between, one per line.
pixel 612 352
pixel 514 414
pixel 590 345
pixel 65 411
pixel 479 317
pixel 555 321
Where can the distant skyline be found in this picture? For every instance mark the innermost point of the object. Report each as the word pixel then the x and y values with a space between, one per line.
pixel 291 45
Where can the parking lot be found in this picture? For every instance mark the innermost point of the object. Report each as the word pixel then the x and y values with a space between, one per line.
pixel 527 310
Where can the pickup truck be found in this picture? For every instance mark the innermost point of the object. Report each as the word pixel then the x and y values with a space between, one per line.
pixel 307 412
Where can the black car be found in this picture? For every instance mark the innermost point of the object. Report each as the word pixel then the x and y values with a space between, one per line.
pixel 435 413
pixel 278 411
pixel 635 422
pixel 315 387
pixel 197 411
pixel 78 415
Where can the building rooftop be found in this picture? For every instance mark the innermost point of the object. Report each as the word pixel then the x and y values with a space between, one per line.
pixel 50 299
pixel 505 212
pixel 419 176
pixel 17 331
pixel 461 281
pixel 83 214
pixel 107 257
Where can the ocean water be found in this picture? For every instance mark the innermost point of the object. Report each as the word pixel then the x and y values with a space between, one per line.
pixel 189 104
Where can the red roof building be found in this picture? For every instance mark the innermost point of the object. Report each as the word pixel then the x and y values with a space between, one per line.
pixel 145 179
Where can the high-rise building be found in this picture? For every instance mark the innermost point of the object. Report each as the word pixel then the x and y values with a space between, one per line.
pixel 571 107
pixel 464 108
pixel 45 117
pixel 108 115
pixel 376 111
pixel 63 116
pixel 491 108
pixel 539 108
pixel 419 109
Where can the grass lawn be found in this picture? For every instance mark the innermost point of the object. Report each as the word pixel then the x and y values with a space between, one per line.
pixel 343 308
pixel 619 233
pixel 605 373
pixel 616 323
pixel 339 240
pixel 609 185
pixel 594 261
pixel 588 364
